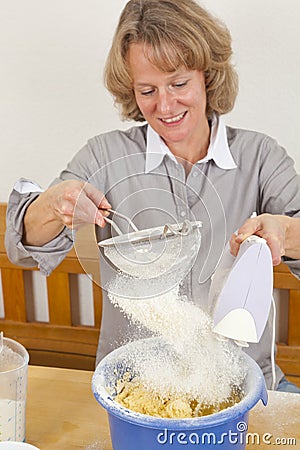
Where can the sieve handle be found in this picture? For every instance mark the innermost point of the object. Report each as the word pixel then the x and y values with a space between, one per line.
pixel 113 224
pixel 122 216
pixel 185 230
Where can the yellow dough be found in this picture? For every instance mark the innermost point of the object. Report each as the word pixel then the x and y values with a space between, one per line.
pixel 133 395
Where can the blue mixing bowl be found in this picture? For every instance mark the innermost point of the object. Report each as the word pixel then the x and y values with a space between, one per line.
pixel 134 431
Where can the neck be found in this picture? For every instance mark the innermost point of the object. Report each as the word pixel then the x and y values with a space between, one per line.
pixel 193 149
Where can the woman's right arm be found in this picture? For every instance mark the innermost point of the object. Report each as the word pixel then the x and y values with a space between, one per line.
pixel 70 203
pixel 39 224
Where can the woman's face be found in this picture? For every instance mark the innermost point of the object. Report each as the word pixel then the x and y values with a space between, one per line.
pixel 173 103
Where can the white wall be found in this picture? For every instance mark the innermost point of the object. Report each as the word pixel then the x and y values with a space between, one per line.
pixel 51 94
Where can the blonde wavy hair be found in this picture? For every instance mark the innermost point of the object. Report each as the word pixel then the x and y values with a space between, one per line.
pixel 175 34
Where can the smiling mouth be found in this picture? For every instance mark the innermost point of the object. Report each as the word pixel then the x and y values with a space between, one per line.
pixel 174 119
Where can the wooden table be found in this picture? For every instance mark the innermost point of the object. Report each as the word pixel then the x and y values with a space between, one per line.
pixel 62 413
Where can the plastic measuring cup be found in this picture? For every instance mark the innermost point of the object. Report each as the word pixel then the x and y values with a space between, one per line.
pixel 13 389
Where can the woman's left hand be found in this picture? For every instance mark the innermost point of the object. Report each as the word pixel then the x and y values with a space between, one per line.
pixel 270 227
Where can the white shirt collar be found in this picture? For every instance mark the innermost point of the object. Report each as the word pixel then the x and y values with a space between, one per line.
pixel 218 149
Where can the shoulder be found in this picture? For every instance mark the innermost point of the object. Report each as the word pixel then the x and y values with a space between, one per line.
pixel 241 137
pixel 247 145
pixel 119 143
pixel 101 150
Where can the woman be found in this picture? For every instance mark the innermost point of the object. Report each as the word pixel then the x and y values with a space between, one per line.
pixel 169 65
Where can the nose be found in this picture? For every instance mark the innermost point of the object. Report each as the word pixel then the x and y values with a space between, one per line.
pixel 165 101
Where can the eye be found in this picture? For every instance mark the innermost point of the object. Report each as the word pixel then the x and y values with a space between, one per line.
pixel 148 92
pixel 181 84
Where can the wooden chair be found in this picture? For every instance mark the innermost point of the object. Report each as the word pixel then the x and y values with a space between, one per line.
pixel 59 342
pixel 288 353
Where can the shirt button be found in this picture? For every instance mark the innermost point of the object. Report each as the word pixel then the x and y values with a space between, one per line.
pixel 183 213
pixel 195 173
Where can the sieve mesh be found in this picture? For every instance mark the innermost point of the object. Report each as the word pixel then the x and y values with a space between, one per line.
pixel 155 252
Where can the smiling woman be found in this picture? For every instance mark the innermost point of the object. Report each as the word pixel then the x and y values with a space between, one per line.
pixel 169 66
pixel 181 41
pixel 173 104
pixel 174 74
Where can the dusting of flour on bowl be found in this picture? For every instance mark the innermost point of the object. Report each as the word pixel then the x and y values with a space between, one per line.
pixel 197 365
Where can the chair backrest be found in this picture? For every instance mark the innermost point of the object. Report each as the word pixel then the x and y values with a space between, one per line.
pixel 288 353
pixel 58 342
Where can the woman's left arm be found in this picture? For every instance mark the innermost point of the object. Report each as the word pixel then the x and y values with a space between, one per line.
pixel 282 234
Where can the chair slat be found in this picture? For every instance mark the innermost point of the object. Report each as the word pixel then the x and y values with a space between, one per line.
pixel 3 207
pixel 97 296
pixel 13 294
pixel 294 314
pixel 285 280
pixel 59 301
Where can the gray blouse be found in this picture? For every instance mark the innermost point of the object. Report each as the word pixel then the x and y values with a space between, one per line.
pixel 264 180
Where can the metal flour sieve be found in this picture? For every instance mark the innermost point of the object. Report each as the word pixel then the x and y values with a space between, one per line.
pixel 154 252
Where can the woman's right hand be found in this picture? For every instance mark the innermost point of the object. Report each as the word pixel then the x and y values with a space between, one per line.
pixel 71 203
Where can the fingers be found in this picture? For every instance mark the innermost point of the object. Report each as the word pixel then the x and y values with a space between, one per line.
pixel 98 204
pixel 266 226
pixel 77 203
pixel 234 245
pixel 276 250
pixel 97 197
pixel 250 227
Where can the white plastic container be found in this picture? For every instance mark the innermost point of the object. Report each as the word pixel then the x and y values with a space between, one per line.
pixel 13 389
pixel 10 445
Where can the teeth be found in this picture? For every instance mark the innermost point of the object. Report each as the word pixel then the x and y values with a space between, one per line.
pixel 174 119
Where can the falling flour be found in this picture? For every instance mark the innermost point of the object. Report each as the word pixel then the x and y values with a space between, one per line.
pixel 196 366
